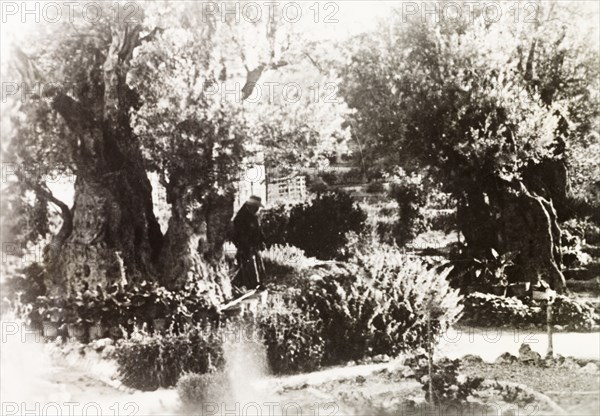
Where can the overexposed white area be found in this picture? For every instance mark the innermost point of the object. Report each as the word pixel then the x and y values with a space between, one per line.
pixel 490 343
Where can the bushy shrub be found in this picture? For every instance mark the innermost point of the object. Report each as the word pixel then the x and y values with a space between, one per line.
pixel 411 291
pixel 274 224
pixel 381 310
pixel 346 306
pixel 197 389
pixel 447 386
pixel 375 188
pixel 149 361
pixel 571 313
pixel 285 260
pixel 319 226
pixel 408 190
pixel 292 338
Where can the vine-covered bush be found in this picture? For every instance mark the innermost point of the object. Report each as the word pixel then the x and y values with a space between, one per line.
pixel 319 226
pixel 125 306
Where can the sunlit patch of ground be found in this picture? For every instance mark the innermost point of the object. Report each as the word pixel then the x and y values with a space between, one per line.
pixel 576 392
pixel 35 379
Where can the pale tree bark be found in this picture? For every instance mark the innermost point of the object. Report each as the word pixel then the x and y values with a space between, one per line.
pixel 193 244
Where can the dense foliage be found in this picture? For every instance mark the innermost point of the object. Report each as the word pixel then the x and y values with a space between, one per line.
pixel 410 193
pixel 493 111
pixel 379 306
pixel 274 224
pixel 382 308
pixel 147 362
pixel 448 388
pixel 171 91
pixel 491 310
pixel 126 307
pixel 292 337
pixel 318 226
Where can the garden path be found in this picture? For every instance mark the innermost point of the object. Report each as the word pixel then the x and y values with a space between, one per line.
pixel 489 343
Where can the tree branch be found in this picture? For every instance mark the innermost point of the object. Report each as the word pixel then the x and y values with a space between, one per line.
pixel 151 36
pixel 315 63
pixel 45 193
pixel 75 115
pixel 53 249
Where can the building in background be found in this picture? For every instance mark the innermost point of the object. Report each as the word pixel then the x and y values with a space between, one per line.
pixel 255 180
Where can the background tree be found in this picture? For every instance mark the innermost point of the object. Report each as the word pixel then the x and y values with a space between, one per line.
pixel 304 121
pixel 460 97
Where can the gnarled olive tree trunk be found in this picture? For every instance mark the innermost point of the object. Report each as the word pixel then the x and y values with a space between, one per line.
pixel 193 243
pixel 114 234
pixel 507 217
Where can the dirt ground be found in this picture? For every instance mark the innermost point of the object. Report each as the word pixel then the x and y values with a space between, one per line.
pixel 31 380
pixel 376 389
pixel 576 392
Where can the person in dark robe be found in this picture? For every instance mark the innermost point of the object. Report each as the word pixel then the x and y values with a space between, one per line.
pixel 248 239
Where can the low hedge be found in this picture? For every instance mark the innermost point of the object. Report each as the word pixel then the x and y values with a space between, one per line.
pixel 292 340
pixel 482 309
pixel 147 362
